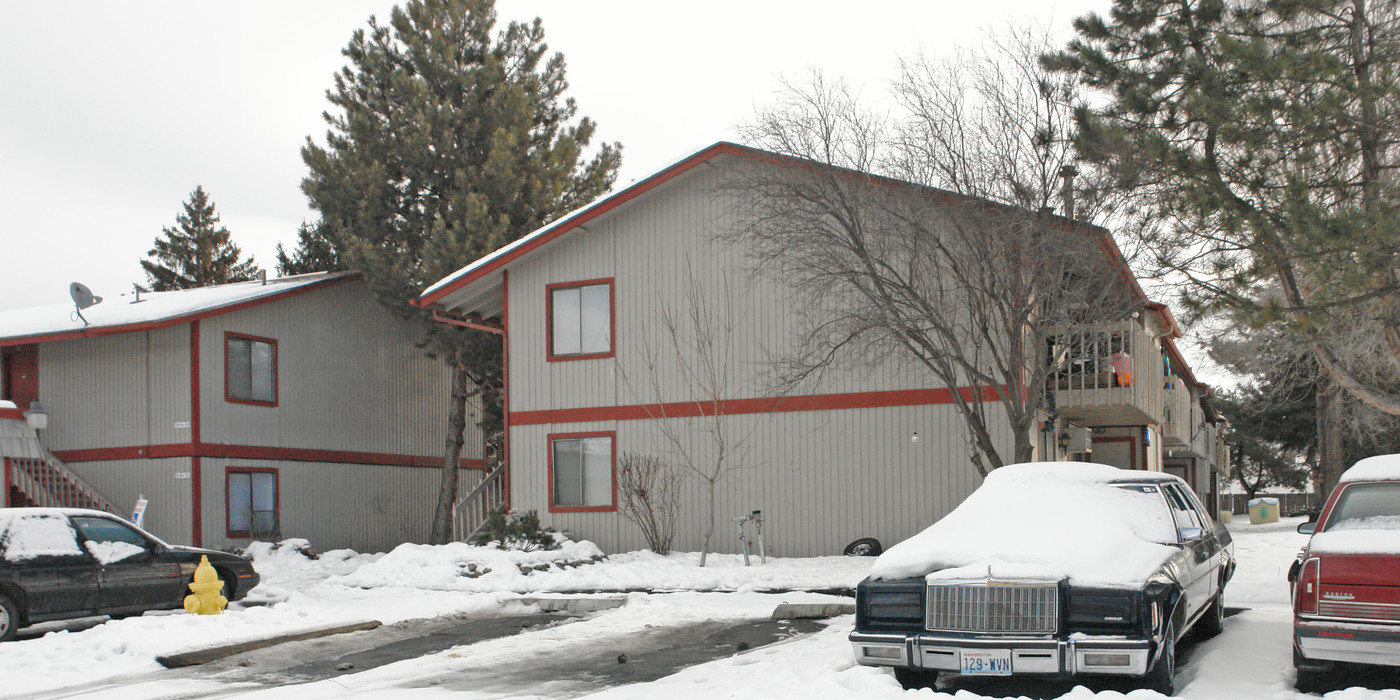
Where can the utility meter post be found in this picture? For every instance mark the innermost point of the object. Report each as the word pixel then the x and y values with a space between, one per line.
pixel 757 518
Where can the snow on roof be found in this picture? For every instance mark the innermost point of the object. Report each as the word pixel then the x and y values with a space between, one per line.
pixel 1380 467
pixel 1044 521
pixel 113 314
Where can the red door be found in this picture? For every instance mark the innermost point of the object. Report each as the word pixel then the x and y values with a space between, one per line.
pixel 21 374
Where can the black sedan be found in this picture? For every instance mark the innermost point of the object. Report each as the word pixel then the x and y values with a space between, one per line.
pixel 1056 569
pixel 65 563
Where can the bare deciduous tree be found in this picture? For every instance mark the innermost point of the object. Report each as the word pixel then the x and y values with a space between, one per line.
pixel 943 255
pixel 649 492
pixel 697 349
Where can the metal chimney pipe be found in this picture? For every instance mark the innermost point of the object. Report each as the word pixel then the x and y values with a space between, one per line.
pixel 1067 174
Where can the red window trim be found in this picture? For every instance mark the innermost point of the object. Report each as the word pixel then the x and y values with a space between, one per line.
pixel 276 497
pixel 549 446
pixel 549 290
pixel 276 364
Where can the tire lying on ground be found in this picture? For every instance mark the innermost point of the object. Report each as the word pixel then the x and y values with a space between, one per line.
pixel 864 547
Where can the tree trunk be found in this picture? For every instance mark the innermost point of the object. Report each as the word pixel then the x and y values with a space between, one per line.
pixel 451 459
pixel 1331 457
pixel 1025 447
pixel 705 547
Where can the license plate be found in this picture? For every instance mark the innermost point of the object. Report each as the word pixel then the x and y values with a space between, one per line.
pixel 986 662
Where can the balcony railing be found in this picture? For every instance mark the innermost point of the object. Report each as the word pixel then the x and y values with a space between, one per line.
pixel 1107 374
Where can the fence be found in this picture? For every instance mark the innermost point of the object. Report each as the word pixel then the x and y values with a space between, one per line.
pixel 1288 503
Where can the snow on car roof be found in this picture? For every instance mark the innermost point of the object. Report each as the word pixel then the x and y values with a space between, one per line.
pixel 115 312
pixel 1378 468
pixel 1047 520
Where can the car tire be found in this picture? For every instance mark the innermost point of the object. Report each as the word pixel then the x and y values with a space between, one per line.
pixel 229 581
pixel 863 547
pixel 9 619
pixel 1213 622
pixel 1162 677
pixel 915 678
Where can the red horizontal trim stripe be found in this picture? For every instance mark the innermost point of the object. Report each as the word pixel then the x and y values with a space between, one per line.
pixel 15 413
pixel 173 320
pixel 287 454
pixel 730 407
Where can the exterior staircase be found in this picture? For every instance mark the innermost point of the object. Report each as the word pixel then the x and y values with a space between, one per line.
pixel 470 513
pixel 34 477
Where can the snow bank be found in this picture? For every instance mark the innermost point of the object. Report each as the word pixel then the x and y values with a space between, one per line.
pixel 579 567
pixel 1043 521
pixel 1374 469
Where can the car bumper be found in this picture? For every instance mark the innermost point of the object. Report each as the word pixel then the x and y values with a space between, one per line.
pixel 1363 643
pixel 1114 656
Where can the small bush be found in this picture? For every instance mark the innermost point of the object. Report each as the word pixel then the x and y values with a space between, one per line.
pixel 518 531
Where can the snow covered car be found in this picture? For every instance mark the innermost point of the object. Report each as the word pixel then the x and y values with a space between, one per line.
pixel 1346 582
pixel 64 563
pixel 1056 568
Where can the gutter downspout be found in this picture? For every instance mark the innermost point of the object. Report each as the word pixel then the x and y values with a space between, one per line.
pixel 444 317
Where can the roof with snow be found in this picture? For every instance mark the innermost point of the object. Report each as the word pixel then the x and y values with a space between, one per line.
pixel 153 309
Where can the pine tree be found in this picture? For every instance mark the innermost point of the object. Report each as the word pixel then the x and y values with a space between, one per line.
pixel 313 253
pixel 1262 134
pixel 448 141
pixel 197 252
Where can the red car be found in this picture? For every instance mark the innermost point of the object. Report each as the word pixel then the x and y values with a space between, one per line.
pixel 1346 582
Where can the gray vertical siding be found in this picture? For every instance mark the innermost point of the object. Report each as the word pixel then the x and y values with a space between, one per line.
pixel 822 478
pixel 164 482
pixel 368 508
pixel 116 390
pixel 349 378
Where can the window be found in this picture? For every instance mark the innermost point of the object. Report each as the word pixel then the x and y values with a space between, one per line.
pixel 580 320
pixel 250 370
pixel 581 472
pixel 1367 507
pixel 1185 516
pixel 252 502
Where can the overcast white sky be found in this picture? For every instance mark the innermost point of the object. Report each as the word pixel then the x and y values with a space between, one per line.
pixel 112 112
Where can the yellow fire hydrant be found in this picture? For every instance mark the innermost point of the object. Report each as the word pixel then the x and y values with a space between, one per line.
pixel 204 598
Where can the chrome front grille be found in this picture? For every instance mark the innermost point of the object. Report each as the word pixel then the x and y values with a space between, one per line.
pixel 992 607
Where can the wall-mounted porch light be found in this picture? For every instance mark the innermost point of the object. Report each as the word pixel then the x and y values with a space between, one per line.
pixel 38 420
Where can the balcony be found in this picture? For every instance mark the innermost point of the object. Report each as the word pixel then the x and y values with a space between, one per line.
pixel 1180 419
pixel 1107 374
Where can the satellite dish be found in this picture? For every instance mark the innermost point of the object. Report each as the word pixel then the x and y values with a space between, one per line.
pixel 82 298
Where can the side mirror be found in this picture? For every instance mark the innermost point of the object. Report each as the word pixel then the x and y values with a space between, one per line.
pixel 1191 533
pixel 1306 528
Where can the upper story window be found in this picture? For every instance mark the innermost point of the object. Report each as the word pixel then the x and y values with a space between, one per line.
pixel 580 320
pixel 250 369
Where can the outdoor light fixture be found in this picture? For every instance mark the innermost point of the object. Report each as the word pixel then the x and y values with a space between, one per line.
pixel 915 438
pixel 1064 441
pixel 38 420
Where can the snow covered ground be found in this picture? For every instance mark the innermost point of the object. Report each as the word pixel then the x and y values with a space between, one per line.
pixel 1251 659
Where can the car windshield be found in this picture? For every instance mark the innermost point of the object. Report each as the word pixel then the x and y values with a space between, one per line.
pixel 1367 507
pixel 1152 521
